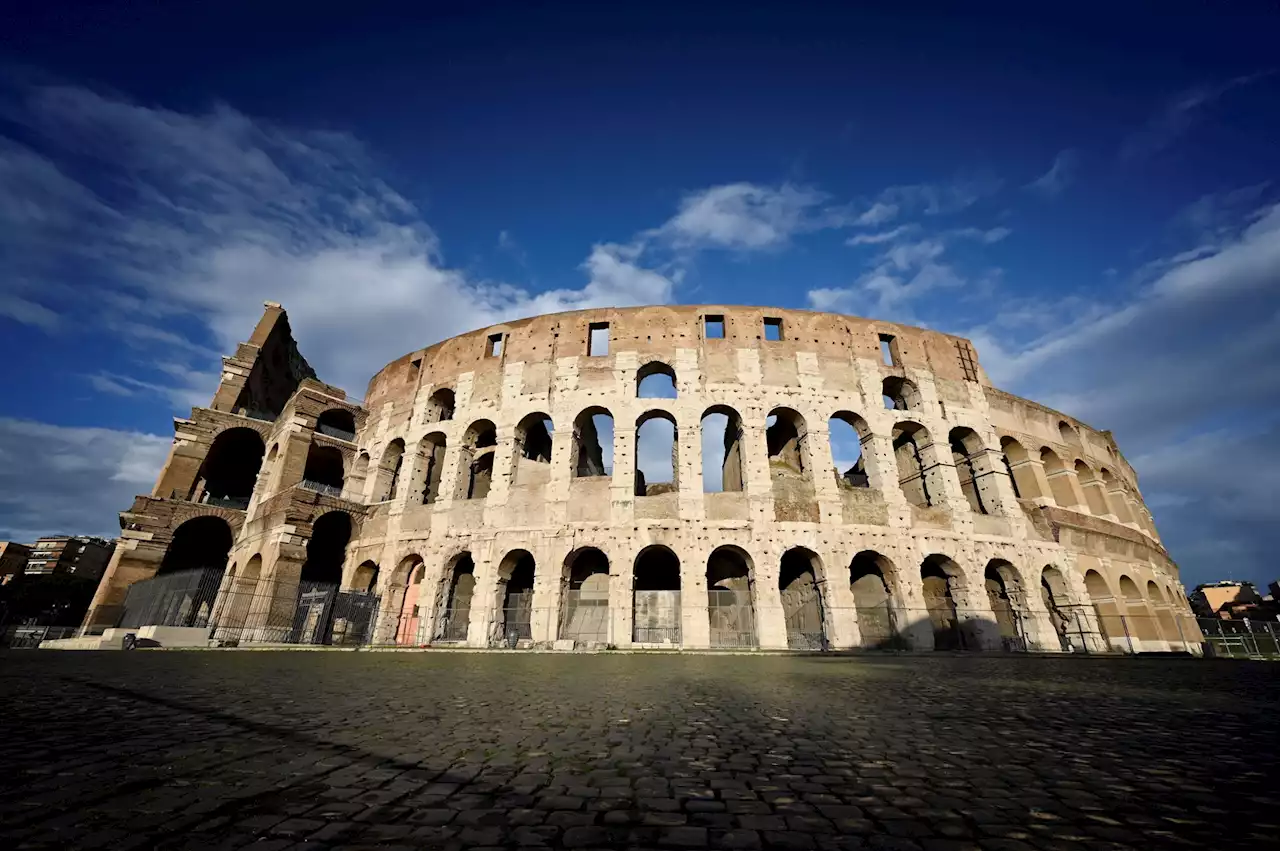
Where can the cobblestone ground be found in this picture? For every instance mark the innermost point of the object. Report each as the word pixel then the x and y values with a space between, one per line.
pixel 298 750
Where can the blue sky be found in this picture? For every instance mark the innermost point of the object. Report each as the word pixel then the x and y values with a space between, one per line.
pixel 1089 194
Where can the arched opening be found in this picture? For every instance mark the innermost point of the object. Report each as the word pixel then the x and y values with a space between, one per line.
pixel 269 467
pixel 440 406
pixel 406 583
pixel 656 380
pixel 323 471
pixel 388 481
pixel 593 443
pixel 1094 496
pixel 802 609
pixel 1140 618
pixel 785 436
pixel 1106 608
pixel 848 431
pixel 999 579
pixel 909 443
pixel 584 597
pixel 1017 465
pixel 327 549
pixel 230 469
pixel 1056 599
pixel 941 578
pixel 359 475
pixel 365 579
pixel 475 461
pixel 657 452
pixel 655 604
pixel 240 596
pixel 966 447
pixel 1059 482
pixel 1164 615
pixel 729 598
pixel 1069 436
pixel 900 394
pixel 532 456
pixel 201 543
pixel 514 599
pixel 337 422
pixel 1117 500
pixel 721 450
pixel 869 576
pixel 426 477
pixel 454 621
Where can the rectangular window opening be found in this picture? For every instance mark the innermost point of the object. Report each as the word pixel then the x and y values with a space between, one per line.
pixel 598 342
pixel 888 350
pixel 772 328
pixel 494 348
pixel 713 326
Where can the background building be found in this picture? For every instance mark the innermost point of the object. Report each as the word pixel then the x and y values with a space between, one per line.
pixel 13 560
pixel 77 556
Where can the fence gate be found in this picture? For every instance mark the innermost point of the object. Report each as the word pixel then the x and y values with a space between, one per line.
pixel 325 615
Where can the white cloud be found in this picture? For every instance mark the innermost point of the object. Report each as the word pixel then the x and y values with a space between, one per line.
pixel 742 216
pixel 877 214
pixel 56 479
pixel 1059 175
pixel 1179 114
pixel 877 238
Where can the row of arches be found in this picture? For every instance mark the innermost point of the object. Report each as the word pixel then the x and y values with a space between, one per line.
pixel 1045 476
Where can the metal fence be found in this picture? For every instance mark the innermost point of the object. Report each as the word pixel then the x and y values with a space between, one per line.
pixel 1241 639
pixel 29 636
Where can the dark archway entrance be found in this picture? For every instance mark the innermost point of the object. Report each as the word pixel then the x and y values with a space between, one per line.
pixel 729 598
pixel 801 599
pixel 515 599
pixel 230 470
pixel 184 589
pixel 655 604
pixel 454 622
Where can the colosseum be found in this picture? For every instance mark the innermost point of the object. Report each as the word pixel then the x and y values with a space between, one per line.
pixel 690 477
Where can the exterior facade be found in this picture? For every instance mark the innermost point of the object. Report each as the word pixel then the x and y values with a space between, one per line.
pixel 494 489
pixel 13 560
pixel 85 557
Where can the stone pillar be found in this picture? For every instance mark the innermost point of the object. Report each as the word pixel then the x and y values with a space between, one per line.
pixel 974 617
pixel 941 478
pixel 839 616
pixel 1096 499
pixel 1084 631
pixel 504 463
pixel 136 557
pixel 911 614
pixel 771 624
pixel 429 599
pixel 1028 606
pixel 993 484
pixel 695 621
pixel 1066 489
pixel 546 601
pixel 1119 506
pixel 689 474
pixel 882 467
pixel 622 490
pixel 1033 484
pixel 482 600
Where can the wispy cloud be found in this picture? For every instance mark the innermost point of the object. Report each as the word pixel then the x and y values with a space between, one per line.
pixel 1179 114
pixel 929 199
pixel 742 216
pixel 1059 176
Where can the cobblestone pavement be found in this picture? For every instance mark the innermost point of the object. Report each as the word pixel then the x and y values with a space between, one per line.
pixel 276 750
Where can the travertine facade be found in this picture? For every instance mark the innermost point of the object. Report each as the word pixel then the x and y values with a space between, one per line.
pixel 974 518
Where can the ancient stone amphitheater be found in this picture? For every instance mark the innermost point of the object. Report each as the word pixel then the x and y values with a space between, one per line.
pixel 657 477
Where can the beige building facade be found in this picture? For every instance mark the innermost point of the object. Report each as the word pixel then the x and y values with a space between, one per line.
pixel 487 493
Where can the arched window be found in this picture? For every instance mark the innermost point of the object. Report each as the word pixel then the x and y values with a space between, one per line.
pixel 475 462
pixel 389 471
pixel 909 442
pixel 337 422
pixel 900 394
pixel 848 431
pixel 730 610
pixel 230 469
pixel 721 450
pixel 786 435
pixel 1059 483
pixel 1057 602
pixel 1017 465
pixel 323 471
pixel 239 599
pixel 440 406
pixel 966 448
pixel 365 579
pixel 531 460
pixel 405 591
pixel 430 466
pixel 1094 496
pixel 657 452
pixel 656 380
pixel 655 604
pixel 593 443
pixel 785 432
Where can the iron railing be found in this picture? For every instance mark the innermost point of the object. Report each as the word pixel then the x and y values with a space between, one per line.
pixel 341 434
pixel 320 487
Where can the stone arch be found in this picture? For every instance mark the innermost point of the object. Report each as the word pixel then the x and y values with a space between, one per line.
pixel 848 432
pixel 656 380
pixel 365 578
pixel 1094 496
pixel 1059 478
pixel 786 437
pixel 592 452
pixel 1139 616
pixel 429 468
pixel 475 460
pixel 513 599
pixel 942 581
pixel 1068 435
pixel 1164 614
pixel 730 597
pixel 404 599
pixel 900 394
pixel 1005 596
pixel 327 549
pixel 360 474
pixel 910 442
pixel 655 597
pixel 872 577
pixel 584 597
pixel 969 455
pixel 1055 594
pixel 1018 466
pixel 453 621
pixel 440 406
pixel 721 450
pixel 230 469
pixel 337 422
pixel 657 454
pixel 531 458
pixel 201 543
pixel 241 594
pixel 799 585
pixel 1116 498
pixel 388 479
pixel 1107 609
pixel 324 470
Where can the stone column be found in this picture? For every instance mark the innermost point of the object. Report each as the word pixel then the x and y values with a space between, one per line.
pixel 689 474
pixel 1028 606
pixel 695 621
pixel 1066 489
pixel 1033 484
pixel 546 598
pixel 839 615
pixel 504 463
pixel 1095 498
pixel 1119 506
pixel 482 600
pixel 771 624
pixel 941 478
pixel 622 490
pixel 993 484
pixel 974 617
pixel 911 616
pixel 136 557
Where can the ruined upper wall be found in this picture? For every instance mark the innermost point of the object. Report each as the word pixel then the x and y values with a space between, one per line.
pixel 660 331
pixel 262 375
